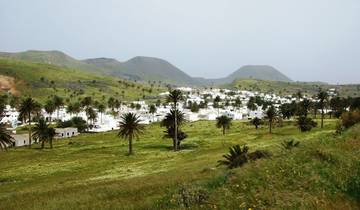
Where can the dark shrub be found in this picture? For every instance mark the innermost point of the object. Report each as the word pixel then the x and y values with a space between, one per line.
pixel 289 145
pixel 76 122
pixel 258 154
pixel 306 124
pixel 349 119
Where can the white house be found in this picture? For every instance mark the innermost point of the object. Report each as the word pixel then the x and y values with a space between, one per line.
pixel 66 132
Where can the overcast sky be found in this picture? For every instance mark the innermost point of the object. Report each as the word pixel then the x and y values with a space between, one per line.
pixel 308 40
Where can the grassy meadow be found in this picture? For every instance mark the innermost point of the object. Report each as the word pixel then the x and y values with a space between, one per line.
pixel 92 171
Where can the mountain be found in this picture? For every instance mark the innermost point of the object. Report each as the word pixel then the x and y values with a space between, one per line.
pixel 50 57
pixel 257 72
pixel 138 68
pixel 142 68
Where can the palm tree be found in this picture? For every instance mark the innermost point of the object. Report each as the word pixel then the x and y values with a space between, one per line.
pixel 271 115
pixel 223 122
pixel 322 97
pixel 58 103
pixel 256 122
pixel 49 108
pixel 43 132
pixel 174 97
pixel 40 130
pixel 168 122
pixel 152 110
pixel 27 107
pixel 130 128
pixel 6 140
pixel 101 108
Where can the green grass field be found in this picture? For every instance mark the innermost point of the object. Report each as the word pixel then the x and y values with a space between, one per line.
pixel 92 171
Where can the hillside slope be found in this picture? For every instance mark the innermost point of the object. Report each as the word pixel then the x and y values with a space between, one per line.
pixel 92 171
pixel 43 80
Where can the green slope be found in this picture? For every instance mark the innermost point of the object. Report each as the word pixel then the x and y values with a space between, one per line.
pixel 43 80
pixel 94 172
pixel 288 88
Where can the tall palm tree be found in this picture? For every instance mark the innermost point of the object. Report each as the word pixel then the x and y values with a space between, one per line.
pixel 27 107
pixel 130 128
pixel 271 115
pixel 6 140
pixel 50 108
pixel 322 97
pixel 168 122
pixel 223 122
pixel 101 109
pixel 58 103
pixel 174 97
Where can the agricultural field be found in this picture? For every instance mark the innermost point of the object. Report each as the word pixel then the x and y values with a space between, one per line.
pixel 93 171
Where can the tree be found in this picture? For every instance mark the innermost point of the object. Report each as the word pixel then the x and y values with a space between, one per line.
pixel 130 128
pixel 305 123
pixel 43 133
pixel 256 122
pixel 101 109
pixel 223 122
pixel 174 97
pixel 58 103
pixel 322 97
pixel 271 115
pixel 217 101
pixel 152 110
pixel 168 122
pixel 237 102
pixel 237 157
pixel 91 114
pixel 27 107
pixel 6 140
pixel 49 108
pixel 251 104
pixel 303 107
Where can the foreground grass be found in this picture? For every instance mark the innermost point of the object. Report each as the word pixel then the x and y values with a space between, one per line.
pixel 92 171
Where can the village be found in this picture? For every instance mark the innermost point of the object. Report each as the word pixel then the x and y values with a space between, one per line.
pixel 198 104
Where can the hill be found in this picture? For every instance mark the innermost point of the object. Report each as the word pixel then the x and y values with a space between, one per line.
pixel 143 69
pixel 138 68
pixel 92 171
pixel 43 80
pixel 289 88
pixel 257 72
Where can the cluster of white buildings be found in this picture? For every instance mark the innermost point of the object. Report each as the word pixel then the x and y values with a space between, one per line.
pixel 108 121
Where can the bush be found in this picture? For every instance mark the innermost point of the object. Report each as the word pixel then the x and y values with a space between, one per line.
pixel 289 145
pixel 76 122
pixel 238 156
pixel 306 124
pixel 258 154
pixel 188 196
pixel 349 119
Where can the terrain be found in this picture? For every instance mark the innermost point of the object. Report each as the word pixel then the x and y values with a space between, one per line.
pixel 44 80
pixel 290 88
pixel 145 69
pixel 92 171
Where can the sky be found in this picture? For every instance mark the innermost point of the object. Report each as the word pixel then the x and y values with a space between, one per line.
pixel 306 40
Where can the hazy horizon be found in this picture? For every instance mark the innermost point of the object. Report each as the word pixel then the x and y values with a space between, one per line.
pixel 307 40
